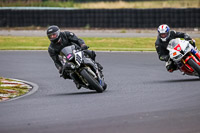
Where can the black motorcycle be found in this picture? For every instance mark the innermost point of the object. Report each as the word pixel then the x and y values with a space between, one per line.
pixel 82 69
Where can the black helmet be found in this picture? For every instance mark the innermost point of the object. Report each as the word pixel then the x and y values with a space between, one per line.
pixel 53 33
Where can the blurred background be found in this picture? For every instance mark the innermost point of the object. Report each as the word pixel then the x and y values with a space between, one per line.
pixel 100 13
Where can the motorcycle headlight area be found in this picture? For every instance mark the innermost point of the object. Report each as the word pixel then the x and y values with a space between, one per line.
pixel 69 65
pixel 178 56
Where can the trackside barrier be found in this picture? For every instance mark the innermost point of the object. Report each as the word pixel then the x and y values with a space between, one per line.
pixel 101 18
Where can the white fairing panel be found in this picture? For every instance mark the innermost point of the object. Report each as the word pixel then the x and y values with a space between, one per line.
pixel 78 57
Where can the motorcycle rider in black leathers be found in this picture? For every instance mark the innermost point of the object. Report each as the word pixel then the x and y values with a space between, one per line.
pixel 59 40
pixel 163 38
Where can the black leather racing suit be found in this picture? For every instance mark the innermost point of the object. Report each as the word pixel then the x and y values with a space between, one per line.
pixel 161 47
pixel 67 38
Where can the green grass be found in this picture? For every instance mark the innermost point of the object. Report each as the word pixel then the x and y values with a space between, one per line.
pixel 99 44
pixel 105 44
pixel 141 4
pixel 116 4
pixel 121 44
pixel 23 43
pixel 70 3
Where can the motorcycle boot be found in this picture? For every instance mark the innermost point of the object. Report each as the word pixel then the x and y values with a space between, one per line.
pixel 170 66
pixel 66 75
pixel 76 80
pixel 78 86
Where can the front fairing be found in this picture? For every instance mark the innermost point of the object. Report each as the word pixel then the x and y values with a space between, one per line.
pixel 178 49
pixel 68 52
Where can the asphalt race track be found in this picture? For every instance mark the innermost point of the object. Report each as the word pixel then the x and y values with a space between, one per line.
pixel 142 97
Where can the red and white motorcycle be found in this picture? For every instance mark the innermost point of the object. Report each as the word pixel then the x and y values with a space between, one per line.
pixel 185 56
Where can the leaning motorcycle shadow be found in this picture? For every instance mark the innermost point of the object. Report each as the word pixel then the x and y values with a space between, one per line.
pixel 76 93
pixel 179 80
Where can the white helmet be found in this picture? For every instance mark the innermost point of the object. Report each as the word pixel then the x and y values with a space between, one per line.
pixel 164 32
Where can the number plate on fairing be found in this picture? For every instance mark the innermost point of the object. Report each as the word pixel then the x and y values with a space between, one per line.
pixel 78 58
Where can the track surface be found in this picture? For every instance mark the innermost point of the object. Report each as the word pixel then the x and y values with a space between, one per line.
pixel 142 97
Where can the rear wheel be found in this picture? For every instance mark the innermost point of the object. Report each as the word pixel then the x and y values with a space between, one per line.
pixel 194 65
pixel 92 81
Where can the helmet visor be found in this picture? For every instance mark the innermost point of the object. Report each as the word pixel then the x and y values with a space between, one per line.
pixel 54 35
pixel 163 35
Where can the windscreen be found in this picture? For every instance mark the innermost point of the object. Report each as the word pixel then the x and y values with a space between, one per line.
pixel 67 50
pixel 173 43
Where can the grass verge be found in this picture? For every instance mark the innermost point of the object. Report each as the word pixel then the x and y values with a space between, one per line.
pixel 141 4
pixel 99 44
pixel 107 5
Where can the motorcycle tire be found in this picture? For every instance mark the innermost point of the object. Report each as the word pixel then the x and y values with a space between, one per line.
pixel 194 65
pixel 92 81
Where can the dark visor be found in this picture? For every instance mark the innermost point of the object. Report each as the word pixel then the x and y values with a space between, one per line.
pixel 163 35
pixel 53 36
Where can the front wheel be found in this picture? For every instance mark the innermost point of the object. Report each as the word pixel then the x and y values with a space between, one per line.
pixel 194 65
pixel 92 81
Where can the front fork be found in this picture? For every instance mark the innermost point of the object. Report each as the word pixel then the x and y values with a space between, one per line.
pixel 97 73
pixel 193 57
pixel 196 53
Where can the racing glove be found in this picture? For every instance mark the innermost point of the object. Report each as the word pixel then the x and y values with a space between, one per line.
pixel 84 47
pixel 187 37
pixel 192 42
pixel 164 58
